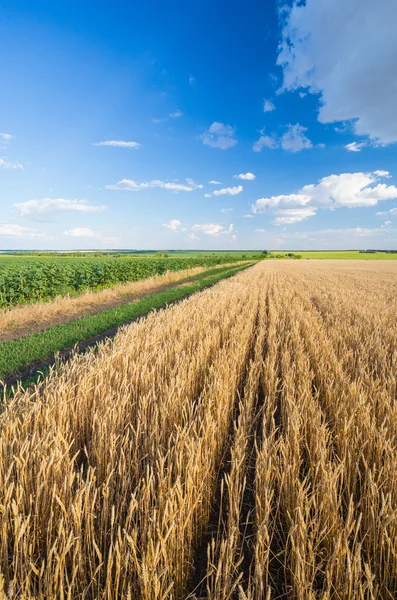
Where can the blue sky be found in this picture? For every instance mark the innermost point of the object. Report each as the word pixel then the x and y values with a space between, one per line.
pixel 115 117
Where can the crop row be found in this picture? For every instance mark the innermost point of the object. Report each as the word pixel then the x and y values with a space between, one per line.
pixel 43 280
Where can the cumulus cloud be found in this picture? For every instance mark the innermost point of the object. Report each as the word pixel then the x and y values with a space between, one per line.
pixel 213 229
pixel 268 106
pixel 207 195
pixel 265 141
pixel 173 225
pixel 350 190
pixel 246 176
pixel 119 144
pixel 133 186
pixel 231 191
pixel 34 208
pixel 219 135
pixel 355 78
pixel 11 230
pixel 6 164
pixel 213 182
pixel 293 140
pixel 355 146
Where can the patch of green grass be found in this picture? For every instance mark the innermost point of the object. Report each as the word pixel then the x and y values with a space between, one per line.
pixel 17 354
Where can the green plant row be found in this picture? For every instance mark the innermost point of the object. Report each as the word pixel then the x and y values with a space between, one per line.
pixel 16 355
pixel 42 279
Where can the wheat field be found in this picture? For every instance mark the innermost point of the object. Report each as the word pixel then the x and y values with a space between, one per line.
pixel 240 444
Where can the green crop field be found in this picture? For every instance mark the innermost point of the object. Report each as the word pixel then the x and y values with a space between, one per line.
pixel 29 278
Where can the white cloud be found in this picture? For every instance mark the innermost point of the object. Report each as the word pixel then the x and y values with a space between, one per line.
pixel 176 114
pixel 294 138
pixel 350 190
pixel 119 144
pixel 173 225
pixel 12 230
pixel 193 184
pixel 248 216
pixel 219 135
pixel 133 186
pixel 9 165
pixel 87 232
pixel 386 224
pixel 54 205
pixel 226 210
pixel 293 215
pixel 265 141
pixel 384 174
pixel 207 195
pixel 231 191
pixel 5 137
pixel 393 211
pixel 355 146
pixel 268 106
pixel 356 77
pixel 154 120
pixel 212 229
pixel 215 182
pixel 192 80
pixel 246 176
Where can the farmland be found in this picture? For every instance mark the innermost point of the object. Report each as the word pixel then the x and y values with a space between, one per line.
pixel 25 279
pixel 253 457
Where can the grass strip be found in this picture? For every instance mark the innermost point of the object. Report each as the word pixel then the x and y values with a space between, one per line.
pixel 16 355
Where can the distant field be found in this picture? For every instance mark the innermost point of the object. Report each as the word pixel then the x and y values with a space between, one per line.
pixel 341 255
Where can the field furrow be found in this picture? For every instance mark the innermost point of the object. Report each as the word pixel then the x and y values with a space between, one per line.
pixel 238 445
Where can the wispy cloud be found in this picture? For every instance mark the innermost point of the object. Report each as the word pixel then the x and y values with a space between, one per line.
pixel 118 144
pixel 226 210
pixel 6 164
pixel 5 137
pixel 87 232
pixel 355 146
pixel 176 114
pixel 192 80
pixel 231 191
pixel 11 230
pixel 133 186
pixel 214 229
pixel 268 106
pixel 213 182
pixel 45 206
pixel 219 135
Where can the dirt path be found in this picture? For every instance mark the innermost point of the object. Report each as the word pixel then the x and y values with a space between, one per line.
pixel 26 320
